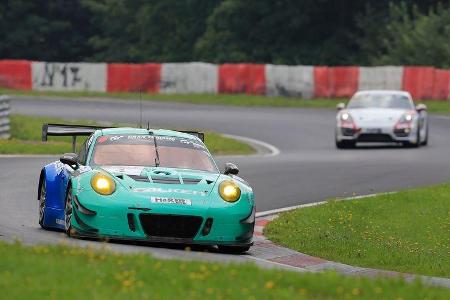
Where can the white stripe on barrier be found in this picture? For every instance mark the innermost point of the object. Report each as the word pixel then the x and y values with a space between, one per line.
pixel 69 76
pixel 5 109
pixel 380 78
pixel 183 78
pixel 290 81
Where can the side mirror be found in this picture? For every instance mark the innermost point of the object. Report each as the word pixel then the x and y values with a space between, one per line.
pixel 340 106
pixel 421 107
pixel 70 159
pixel 231 169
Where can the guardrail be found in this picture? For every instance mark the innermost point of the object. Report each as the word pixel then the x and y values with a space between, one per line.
pixel 5 109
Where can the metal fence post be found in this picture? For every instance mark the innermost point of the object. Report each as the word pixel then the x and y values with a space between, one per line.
pixel 5 108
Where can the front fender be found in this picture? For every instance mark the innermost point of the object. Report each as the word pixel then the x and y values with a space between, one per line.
pixel 56 178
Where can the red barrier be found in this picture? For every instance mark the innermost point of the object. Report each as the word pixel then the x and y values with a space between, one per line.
pixel 321 82
pixel 242 79
pixel 335 81
pixel 15 74
pixel 441 86
pixel 418 81
pixel 134 78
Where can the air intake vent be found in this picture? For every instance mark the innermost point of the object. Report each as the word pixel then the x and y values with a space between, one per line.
pixel 139 178
pixel 175 226
pixel 166 180
pixel 191 180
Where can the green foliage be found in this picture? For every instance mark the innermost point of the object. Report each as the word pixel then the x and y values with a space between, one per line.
pixel 44 30
pixel 407 36
pixel 142 31
pixel 64 272
pixel 406 231
pixel 309 32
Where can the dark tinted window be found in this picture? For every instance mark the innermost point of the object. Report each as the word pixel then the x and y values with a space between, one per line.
pixel 139 150
pixel 380 101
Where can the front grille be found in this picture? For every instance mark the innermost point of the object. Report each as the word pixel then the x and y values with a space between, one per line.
pixel 175 226
pixel 402 132
pixel 348 131
pixel 375 138
pixel 166 180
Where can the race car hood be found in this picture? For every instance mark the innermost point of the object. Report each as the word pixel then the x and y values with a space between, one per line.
pixel 376 117
pixel 166 182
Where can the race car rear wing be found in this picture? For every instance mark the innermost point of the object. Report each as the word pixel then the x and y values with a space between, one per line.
pixel 68 130
pixel 84 130
pixel 199 134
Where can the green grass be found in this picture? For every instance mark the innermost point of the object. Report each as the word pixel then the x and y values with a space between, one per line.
pixel 62 272
pixel 225 99
pixel 26 139
pixel 408 231
pixel 434 106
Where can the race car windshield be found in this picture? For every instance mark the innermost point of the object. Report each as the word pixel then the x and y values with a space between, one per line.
pixel 139 150
pixel 380 101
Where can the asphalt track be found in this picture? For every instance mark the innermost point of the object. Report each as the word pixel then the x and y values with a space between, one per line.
pixel 307 169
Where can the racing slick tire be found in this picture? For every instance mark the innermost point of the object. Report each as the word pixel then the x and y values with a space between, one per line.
pixel 68 213
pixel 233 249
pixel 425 141
pixel 345 144
pixel 42 201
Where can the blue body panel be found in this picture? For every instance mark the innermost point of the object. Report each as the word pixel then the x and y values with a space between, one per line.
pixel 56 178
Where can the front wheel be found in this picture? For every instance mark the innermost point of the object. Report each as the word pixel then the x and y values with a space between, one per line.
pixel 425 141
pixel 416 144
pixel 345 144
pixel 233 249
pixel 68 213
pixel 42 200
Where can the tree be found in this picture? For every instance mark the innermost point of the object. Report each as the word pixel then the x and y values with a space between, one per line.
pixel 158 30
pixel 407 35
pixel 44 30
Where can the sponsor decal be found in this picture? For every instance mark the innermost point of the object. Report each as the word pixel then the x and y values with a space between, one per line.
pixel 129 170
pixel 176 191
pixel 164 200
pixel 102 139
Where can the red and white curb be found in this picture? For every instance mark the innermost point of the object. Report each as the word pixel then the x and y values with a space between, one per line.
pixel 266 250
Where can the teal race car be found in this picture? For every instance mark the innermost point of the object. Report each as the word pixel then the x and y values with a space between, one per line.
pixel 143 184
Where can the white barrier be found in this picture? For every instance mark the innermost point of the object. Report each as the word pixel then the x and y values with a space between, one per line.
pixel 5 108
pixel 290 81
pixel 69 76
pixel 380 78
pixel 182 78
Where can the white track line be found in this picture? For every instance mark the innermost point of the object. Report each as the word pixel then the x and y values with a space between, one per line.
pixel 273 151
pixel 284 209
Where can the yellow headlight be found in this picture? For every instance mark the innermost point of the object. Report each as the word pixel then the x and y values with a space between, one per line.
pixel 103 184
pixel 229 191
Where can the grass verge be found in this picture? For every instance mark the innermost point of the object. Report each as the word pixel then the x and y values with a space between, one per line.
pixel 62 272
pixel 26 139
pixel 408 231
pixel 434 106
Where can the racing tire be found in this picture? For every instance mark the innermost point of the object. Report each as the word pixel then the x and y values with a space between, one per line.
pixel 345 144
pixel 233 249
pixel 68 213
pixel 425 142
pixel 42 201
pixel 414 145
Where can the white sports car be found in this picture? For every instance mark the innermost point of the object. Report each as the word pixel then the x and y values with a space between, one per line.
pixel 381 117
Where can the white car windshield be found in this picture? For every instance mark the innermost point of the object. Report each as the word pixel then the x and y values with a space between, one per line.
pixel 139 150
pixel 380 101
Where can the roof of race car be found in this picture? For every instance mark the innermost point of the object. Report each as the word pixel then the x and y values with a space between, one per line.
pixel 130 130
pixel 383 92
